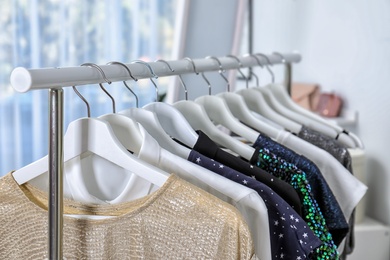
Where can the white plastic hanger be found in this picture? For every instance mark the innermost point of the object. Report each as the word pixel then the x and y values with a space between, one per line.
pixel 240 110
pixel 219 112
pixel 91 135
pixel 302 119
pixel 119 185
pixel 257 103
pixel 173 122
pixel 152 125
pixel 126 131
pixel 281 94
pixel 150 122
pixel 94 136
pixel 199 120
pixel 281 109
pixel 284 108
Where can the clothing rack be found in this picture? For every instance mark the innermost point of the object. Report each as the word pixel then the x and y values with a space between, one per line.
pixel 55 79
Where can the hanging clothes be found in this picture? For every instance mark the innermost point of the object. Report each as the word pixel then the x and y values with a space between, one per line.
pixel 168 224
pixel 347 189
pixel 207 147
pixel 320 189
pixel 312 213
pixel 340 153
pixel 291 238
pixel 288 199
pixel 337 150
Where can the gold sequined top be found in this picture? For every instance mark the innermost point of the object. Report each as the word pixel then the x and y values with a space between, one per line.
pixel 178 221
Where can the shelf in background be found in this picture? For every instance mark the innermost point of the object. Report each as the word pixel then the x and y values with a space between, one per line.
pixel 372 240
pixel 346 118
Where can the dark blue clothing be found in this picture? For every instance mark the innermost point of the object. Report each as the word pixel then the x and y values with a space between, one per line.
pixel 291 238
pixel 327 202
pixel 341 153
pixel 288 172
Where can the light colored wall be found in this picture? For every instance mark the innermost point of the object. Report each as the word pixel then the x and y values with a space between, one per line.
pixel 345 47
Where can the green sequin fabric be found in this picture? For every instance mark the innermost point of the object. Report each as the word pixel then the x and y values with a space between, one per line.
pixel 288 172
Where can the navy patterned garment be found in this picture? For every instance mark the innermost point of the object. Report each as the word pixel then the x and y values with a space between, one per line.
pixel 288 172
pixel 327 202
pixel 291 237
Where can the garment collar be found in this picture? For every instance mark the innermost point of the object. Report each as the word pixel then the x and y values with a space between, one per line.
pixel 205 145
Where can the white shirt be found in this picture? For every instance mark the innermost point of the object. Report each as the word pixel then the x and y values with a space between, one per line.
pixel 347 189
pixel 246 200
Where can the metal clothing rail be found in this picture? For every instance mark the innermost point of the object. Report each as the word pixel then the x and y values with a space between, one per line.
pixel 55 79
pixel 23 79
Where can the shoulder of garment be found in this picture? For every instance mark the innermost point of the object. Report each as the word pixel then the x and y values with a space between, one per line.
pixel 210 149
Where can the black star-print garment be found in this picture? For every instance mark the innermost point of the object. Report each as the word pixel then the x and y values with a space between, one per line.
pixel 291 238
pixel 288 172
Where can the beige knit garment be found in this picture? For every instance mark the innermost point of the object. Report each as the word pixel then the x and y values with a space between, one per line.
pixel 178 221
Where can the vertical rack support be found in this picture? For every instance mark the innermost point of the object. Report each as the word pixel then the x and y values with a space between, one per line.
pixel 56 162
pixel 288 76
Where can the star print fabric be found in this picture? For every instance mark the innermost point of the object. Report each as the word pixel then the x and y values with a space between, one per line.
pixel 312 213
pixel 291 238
pixel 320 189
pixel 209 148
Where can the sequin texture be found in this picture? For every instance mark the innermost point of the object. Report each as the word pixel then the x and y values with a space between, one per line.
pixel 330 145
pixel 312 213
pixel 321 191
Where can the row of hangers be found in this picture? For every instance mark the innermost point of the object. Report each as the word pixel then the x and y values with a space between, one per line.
pixel 245 112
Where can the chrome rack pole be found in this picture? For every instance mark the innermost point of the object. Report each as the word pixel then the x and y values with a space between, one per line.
pixel 24 79
pixel 55 173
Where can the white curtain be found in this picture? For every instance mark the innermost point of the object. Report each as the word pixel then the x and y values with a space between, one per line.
pixel 59 33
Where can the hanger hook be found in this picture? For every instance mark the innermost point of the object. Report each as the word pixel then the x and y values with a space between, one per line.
pixel 181 80
pixel 151 72
pixel 193 64
pixel 184 86
pixel 239 67
pixel 197 73
pixel 166 63
pixel 267 66
pixel 124 82
pixel 83 99
pixel 258 62
pixel 221 70
pixel 93 65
